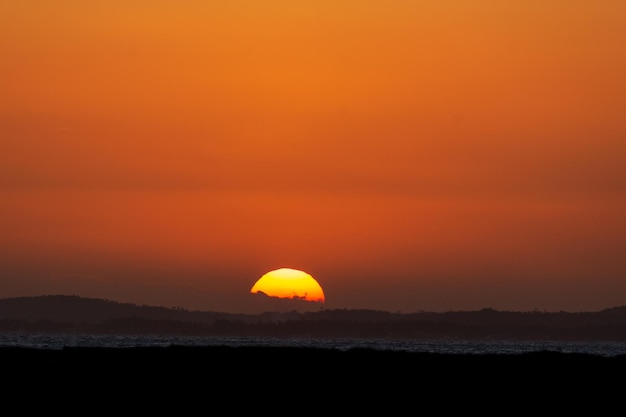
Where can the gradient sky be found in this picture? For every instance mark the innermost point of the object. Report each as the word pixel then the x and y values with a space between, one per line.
pixel 410 155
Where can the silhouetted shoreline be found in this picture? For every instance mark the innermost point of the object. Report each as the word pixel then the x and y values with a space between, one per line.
pixel 355 378
pixel 259 359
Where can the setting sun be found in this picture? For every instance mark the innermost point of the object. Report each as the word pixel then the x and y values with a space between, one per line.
pixel 289 283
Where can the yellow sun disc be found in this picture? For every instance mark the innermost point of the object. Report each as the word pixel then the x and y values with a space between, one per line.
pixel 289 283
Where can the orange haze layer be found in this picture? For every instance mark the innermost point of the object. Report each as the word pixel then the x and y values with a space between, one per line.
pixel 412 155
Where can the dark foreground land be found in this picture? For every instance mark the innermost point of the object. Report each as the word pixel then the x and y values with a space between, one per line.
pixel 155 378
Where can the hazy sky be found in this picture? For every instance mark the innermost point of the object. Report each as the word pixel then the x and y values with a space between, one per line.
pixel 410 155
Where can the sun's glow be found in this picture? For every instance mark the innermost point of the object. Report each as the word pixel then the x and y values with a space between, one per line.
pixel 289 283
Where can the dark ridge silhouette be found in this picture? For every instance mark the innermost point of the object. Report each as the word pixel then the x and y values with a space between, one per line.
pixel 72 308
pixel 73 314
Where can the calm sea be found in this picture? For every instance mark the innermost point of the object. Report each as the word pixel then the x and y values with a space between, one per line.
pixel 59 341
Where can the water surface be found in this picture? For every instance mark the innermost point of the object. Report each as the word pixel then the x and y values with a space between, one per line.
pixel 60 341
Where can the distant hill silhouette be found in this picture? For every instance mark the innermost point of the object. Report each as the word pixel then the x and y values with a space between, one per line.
pixel 74 314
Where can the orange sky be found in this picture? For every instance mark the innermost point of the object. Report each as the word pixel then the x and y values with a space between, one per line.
pixel 410 155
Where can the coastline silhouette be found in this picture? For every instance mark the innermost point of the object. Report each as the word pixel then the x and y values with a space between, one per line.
pixel 73 314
